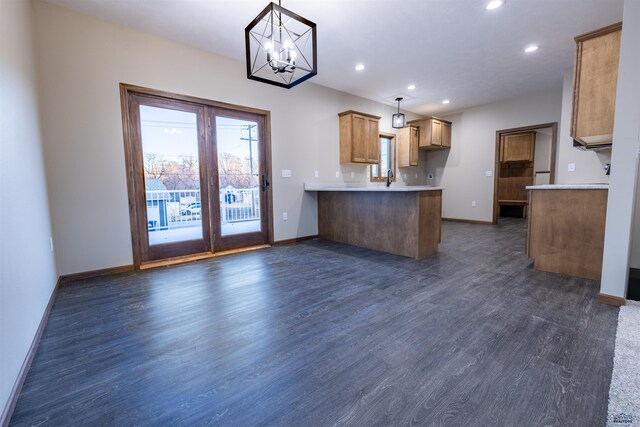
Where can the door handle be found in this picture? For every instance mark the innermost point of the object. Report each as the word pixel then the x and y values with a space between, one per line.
pixel 265 183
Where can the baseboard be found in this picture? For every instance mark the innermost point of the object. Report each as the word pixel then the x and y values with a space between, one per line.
pixel 611 300
pixel 468 221
pixel 66 278
pixel 294 240
pixel 26 364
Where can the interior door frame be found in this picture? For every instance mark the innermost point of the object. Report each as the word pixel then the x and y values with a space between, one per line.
pixel 496 174
pixel 127 91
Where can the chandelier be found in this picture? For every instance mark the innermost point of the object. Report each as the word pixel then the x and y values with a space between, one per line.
pixel 397 120
pixel 280 47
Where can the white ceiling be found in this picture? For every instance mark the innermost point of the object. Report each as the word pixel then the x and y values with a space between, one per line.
pixel 448 48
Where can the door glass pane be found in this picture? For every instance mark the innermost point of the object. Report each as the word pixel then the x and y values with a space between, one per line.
pixel 238 176
pixel 171 174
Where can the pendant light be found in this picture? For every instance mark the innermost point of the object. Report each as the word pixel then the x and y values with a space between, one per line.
pixel 397 120
pixel 281 47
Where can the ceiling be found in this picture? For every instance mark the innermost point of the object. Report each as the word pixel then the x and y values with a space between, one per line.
pixel 449 49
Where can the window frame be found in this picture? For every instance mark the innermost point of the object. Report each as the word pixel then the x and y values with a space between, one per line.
pixel 393 152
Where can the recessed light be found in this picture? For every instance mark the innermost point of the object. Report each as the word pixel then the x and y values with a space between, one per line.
pixel 494 4
pixel 445 101
pixel 531 48
pixel 411 87
pixel 359 67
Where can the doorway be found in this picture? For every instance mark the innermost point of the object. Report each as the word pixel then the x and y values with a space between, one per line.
pixel 524 156
pixel 197 174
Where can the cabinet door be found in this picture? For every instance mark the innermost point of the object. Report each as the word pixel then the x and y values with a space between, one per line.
pixel 373 141
pixel 359 140
pixel 436 132
pixel 446 135
pixel 595 82
pixel 413 146
pixel 518 147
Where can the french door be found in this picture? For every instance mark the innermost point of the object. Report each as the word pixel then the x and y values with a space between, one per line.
pixel 197 175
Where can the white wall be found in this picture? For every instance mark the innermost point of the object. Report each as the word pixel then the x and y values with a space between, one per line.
pixel 27 267
pixel 589 164
pixel 542 153
pixel 461 170
pixel 624 156
pixel 542 157
pixel 83 60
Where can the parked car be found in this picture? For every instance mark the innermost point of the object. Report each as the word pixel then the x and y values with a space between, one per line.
pixel 192 208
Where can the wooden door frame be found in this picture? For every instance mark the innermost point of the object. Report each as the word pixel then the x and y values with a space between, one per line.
pixel 126 93
pixel 235 241
pixel 496 175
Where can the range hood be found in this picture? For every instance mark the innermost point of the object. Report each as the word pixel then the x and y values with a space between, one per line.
pixel 593 143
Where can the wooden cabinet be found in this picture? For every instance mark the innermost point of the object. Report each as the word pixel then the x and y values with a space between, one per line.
pixel 565 233
pixel 517 147
pixel 446 135
pixel 408 139
pixel 435 134
pixel 594 86
pixel 359 138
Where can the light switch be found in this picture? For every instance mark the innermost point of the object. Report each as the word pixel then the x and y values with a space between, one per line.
pixel 352 175
pixel 337 174
pixel 572 167
pixel 316 174
pixel 286 173
pixel 416 176
pixel 473 204
pixel 285 216
pixel 488 173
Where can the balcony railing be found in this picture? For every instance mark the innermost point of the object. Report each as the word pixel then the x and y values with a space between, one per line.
pixel 171 209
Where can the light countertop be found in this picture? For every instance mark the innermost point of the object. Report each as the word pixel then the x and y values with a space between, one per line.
pixel 569 187
pixel 313 186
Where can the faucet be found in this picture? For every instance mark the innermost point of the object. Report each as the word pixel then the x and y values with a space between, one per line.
pixel 389 176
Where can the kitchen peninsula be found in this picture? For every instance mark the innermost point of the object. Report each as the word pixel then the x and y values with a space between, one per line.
pixel 402 220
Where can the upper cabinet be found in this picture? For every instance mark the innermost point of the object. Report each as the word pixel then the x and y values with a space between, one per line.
pixel 518 147
pixel 594 86
pixel 359 138
pixel 435 134
pixel 408 140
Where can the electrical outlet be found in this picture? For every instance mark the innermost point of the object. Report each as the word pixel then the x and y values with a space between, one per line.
pixel 488 173
pixel 285 216
pixel 286 173
pixel 337 174
pixel 571 167
pixel 51 243
pixel 473 204
pixel 316 174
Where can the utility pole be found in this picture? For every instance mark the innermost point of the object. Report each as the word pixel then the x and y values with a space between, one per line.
pixel 250 139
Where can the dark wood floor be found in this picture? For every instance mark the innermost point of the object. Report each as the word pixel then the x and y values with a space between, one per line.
pixel 318 333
